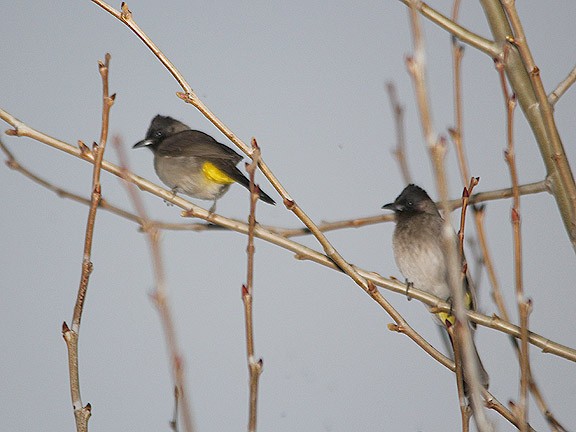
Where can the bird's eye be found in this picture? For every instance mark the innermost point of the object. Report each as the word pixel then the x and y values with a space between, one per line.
pixel 157 134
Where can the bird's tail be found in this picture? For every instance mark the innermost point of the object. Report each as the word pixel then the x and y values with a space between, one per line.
pixel 482 374
pixel 266 198
pixel 237 175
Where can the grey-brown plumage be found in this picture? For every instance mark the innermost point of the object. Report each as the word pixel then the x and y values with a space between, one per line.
pixel 419 248
pixel 181 155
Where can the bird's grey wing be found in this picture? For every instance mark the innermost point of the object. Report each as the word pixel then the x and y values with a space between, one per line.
pixel 193 143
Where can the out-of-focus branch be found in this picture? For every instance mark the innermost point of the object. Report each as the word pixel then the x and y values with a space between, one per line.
pixel 456 133
pixel 400 151
pixel 160 298
pixel 71 335
pixel 437 150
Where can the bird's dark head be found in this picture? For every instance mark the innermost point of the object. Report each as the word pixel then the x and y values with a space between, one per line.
pixel 160 128
pixel 412 200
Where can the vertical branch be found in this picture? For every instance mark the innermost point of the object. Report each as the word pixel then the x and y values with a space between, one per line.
pixel 160 297
pixel 254 366
pixel 71 335
pixel 457 137
pixel 527 378
pixel 479 213
pixel 464 411
pixel 456 132
pixel 510 157
pixel 400 151
pixel 465 199
pixel 437 150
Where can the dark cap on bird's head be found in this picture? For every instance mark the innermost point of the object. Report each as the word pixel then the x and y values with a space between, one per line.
pixel 413 199
pixel 160 128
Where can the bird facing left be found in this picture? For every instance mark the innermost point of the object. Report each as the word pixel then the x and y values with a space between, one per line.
pixel 192 162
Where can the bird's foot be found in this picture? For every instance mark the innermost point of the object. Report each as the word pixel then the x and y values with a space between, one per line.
pixel 408 286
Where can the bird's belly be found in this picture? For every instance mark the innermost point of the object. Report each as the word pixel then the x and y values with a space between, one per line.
pixel 185 175
pixel 425 268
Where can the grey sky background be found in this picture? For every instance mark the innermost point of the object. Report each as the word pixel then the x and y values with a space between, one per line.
pixel 307 79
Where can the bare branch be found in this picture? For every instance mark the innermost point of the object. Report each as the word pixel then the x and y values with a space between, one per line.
pixel 71 335
pixel 400 151
pixel 465 35
pixel 254 366
pixel 160 297
pixel 562 87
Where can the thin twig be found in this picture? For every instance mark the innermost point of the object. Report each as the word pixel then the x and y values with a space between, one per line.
pixel 71 335
pixel 510 156
pixel 400 151
pixel 456 133
pixel 254 366
pixel 160 294
pixel 465 200
pixel 486 46
pixel 464 409
pixel 174 421
pixel 562 87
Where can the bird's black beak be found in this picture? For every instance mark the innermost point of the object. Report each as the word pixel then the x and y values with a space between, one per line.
pixel 390 206
pixel 143 143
